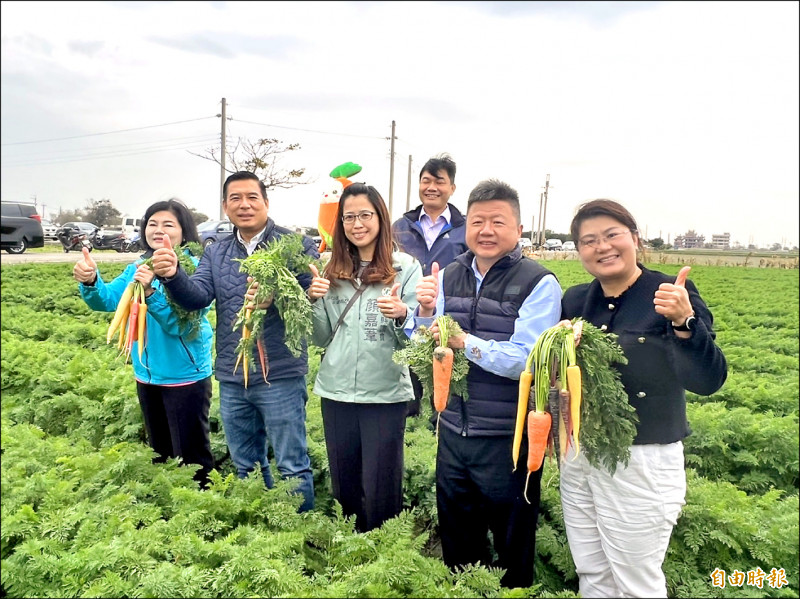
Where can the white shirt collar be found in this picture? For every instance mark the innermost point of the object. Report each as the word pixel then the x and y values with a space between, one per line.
pixel 254 241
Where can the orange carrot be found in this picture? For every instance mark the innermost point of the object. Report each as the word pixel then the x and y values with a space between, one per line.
pixel 262 356
pixel 442 371
pixel 132 329
pixel 538 430
pixel 142 324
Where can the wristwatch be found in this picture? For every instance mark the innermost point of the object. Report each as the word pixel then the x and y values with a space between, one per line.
pixel 688 324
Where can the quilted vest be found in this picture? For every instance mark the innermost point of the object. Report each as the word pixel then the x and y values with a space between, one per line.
pixel 491 407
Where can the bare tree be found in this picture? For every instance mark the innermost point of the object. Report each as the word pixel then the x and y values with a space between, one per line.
pixel 262 157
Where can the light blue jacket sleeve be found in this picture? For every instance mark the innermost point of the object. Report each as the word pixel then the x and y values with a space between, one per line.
pixel 540 310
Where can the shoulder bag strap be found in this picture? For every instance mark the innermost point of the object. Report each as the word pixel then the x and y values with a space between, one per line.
pixel 352 301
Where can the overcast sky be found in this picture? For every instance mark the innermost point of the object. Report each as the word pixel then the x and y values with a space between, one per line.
pixel 685 112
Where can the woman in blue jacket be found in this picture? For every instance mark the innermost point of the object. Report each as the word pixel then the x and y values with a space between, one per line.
pixel 173 375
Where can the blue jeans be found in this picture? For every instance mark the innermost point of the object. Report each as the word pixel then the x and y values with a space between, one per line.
pixel 273 413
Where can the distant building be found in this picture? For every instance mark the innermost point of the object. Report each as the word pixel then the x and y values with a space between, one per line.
pixel 721 241
pixel 690 240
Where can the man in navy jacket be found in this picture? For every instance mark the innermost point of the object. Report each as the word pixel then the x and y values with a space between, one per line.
pixel 263 412
pixel 433 231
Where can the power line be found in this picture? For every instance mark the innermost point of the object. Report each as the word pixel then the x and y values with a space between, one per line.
pixel 309 130
pixel 119 154
pixel 40 141
pixel 206 138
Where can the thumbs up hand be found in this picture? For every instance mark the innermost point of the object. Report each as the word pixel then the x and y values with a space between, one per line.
pixel 428 291
pixel 319 285
pixel 672 299
pixel 165 260
pixel 391 304
pixel 85 270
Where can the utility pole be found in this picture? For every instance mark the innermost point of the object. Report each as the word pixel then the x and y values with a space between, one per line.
pixel 408 186
pixel 222 159
pixel 544 216
pixel 538 234
pixel 391 173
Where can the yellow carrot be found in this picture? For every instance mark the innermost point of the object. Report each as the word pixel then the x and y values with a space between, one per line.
pixel 525 382
pixel 123 307
pixel 575 393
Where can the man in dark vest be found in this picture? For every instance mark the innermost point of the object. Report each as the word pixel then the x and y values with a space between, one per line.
pixel 503 301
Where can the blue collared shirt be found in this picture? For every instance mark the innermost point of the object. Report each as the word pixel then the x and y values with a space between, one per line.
pixel 540 311
pixel 432 229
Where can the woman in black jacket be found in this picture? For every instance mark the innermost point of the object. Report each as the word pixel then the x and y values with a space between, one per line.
pixel 619 526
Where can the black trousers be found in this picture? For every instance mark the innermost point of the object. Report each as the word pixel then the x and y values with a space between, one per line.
pixel 176 421
pixel 476 492
pixel 413 404
pixel 365 455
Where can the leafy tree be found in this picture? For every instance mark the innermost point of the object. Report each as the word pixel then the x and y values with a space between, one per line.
pixel 102 213
pixel 198 217
pixel 656 243
pixel 262 157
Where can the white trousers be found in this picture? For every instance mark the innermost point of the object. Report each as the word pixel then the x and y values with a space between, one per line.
pixel 618 527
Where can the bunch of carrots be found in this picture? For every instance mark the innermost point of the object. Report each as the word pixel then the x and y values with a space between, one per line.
pixel 130 320
pixel 554 369
pixel 243 356
pixel 441 370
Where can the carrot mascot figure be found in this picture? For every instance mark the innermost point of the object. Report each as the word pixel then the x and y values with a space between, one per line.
pixel 361 303
pixel 502 301
pixel 329 204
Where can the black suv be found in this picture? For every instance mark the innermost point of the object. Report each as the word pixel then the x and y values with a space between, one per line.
pixel 21 227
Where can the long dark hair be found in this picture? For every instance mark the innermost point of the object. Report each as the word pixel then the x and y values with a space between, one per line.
pixel 345 262
pixel 181 212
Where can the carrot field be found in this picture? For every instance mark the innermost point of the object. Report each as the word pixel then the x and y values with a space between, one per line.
pixel 85 513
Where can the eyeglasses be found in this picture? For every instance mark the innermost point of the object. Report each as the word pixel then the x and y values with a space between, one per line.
pixel 592 241
pixel 364 216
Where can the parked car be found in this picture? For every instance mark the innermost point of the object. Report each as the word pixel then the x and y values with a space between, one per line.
pixel 21 227
pixel 525 243
pixel 82 226
pixel 569 246
pixel 214 230
pixel 552 244
pixel 49 229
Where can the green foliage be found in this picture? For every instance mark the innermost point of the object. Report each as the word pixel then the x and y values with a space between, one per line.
pixel 85 512
pixel 188 320
pixel 722 527
pixel 608 421
pixel 753 451
pixel 274 268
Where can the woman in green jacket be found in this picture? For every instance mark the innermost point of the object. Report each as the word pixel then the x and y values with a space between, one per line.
pixel 363 392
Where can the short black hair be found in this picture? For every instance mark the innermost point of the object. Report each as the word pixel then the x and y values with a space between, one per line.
pixel 494 189
pixel 440 162
pixel 242 176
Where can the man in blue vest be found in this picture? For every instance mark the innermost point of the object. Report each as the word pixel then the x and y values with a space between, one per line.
pixel 433 231
pixel 503 301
